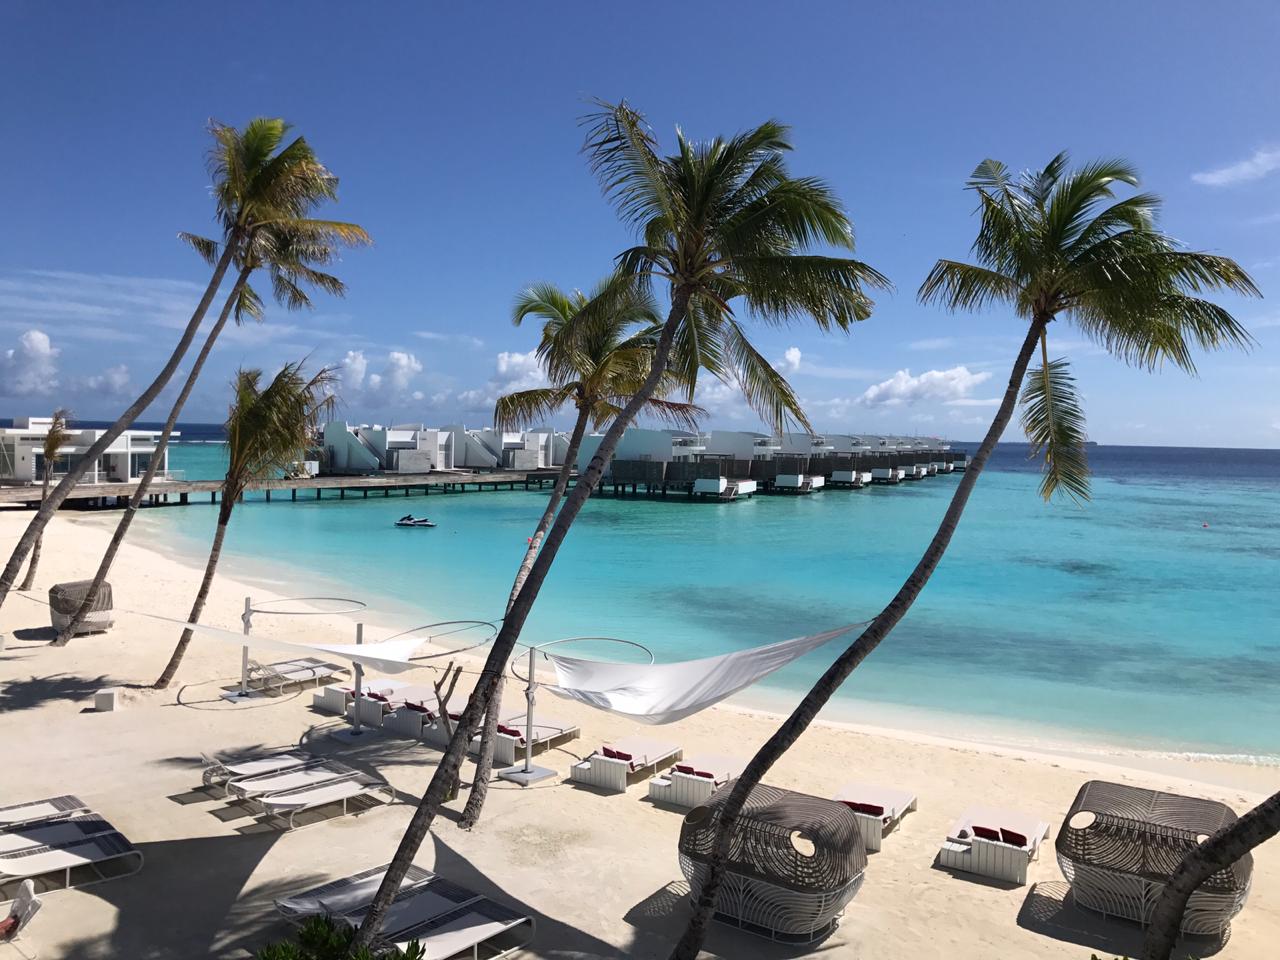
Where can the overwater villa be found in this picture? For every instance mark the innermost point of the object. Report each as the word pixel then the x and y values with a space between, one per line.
pixel 414 448
pixel 22 459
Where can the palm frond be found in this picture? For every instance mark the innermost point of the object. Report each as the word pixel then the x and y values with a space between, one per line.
pixel 621 152
pixel 960 286
pixel 57 435
pixel 208 250
pixel 526 408
pixel 248 305
pixel 831 291
pixel 766 390
pixel 1053 420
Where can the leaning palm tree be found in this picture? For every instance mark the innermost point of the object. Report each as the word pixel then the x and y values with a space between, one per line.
pixel 256 183
pixel 1053 245
pixel 267 429
pixel 720 222
pixel 54 441
pixel 290 250
pixel 597 351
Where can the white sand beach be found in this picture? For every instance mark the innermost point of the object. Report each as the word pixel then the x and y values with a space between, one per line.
pixel 598 872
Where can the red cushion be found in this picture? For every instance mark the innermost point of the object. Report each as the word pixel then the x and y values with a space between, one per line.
pixel 454 716
pixel 704 773
pixel 683 768
pixel 418 707
pixel 1013 837
pixel 870 809
pixel 8 927
pixel 509 731
pixel 376 696
pixel 609 752
pixel 619 755
pixel 985 833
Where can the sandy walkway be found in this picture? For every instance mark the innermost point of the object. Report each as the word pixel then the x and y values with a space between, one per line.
pixel 600 873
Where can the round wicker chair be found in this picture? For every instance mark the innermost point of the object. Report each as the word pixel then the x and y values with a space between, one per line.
pixel 794 862
pixel 65 600
pixel 1120 844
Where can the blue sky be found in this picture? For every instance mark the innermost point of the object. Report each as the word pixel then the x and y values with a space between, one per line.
pixel 454 131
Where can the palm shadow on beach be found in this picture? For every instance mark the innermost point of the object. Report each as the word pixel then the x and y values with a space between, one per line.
pixel 35 691
pixel 1050 910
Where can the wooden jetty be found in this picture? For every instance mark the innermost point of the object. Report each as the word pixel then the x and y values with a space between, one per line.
pixel 402 484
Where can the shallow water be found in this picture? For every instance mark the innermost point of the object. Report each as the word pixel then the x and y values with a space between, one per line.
pixel 1126 621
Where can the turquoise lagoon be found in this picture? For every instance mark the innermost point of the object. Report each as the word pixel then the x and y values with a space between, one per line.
pixel 1126 622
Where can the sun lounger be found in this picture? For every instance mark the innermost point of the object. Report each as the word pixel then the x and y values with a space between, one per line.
pixel 52 833
pixel 337 697
pixel 615 765
pixel 548 733
pixel 309 774
pixel 285 805
pixel 225 772
pixel 879 809
pixel 65 805
pixel 409 719
pixel 376 703
pixel 295 672
pixel 342 896
pixel 74 864
pixel 692 781
pixel 993 843
pixel 21 912
pixel 445 919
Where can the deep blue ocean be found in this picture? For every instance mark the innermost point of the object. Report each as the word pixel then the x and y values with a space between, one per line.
pixel 1146 618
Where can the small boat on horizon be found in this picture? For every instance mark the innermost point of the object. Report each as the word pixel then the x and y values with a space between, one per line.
pixel 409 520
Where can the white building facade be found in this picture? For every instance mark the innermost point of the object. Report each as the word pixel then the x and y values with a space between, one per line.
pixel 127 458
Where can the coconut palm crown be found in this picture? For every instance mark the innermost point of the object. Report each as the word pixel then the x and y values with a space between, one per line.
pixel 1056 244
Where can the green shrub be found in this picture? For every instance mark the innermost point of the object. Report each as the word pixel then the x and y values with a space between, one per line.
pixel 320 938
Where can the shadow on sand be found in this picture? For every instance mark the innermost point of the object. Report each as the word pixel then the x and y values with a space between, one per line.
pixel 32 692
pixel 1050 911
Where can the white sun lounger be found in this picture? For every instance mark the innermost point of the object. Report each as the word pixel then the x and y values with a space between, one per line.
pixel 548 733
pixel 692 781
pixel 309 774
pixel 878 809
pixel 409 721
pixel 52 833
pixel 75 864
pixel 285 805
pixel 1004 856
pixel 375 706
pixel 225 772
pixel 62 806
pixel 345 895
pixel 616 764
pixel 293 672
pixel 444 918
pixel 336 697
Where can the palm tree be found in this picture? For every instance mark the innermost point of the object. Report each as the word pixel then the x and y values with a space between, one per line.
pixel 267 429
pixel 596 359
pixel 1052 245
pixel 719 221
pixel 1217 853
pixel 290 251
pixel 54 441
pixel 255 185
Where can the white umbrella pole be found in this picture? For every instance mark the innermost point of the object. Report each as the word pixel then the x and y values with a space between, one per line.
pixel 528 715
pixel 246 619
pixel 359 678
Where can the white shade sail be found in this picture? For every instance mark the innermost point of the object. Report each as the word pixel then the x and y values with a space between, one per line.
pixel 657 693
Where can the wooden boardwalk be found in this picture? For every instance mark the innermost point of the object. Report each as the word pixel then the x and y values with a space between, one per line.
pixel 403 484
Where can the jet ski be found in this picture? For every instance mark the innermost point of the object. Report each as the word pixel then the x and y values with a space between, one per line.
pixel 409 520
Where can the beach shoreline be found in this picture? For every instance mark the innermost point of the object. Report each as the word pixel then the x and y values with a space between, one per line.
pixel 386 616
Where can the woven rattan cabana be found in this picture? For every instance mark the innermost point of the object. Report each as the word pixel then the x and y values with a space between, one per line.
pixel 1119 845
pixel 794 862
pixel 65 600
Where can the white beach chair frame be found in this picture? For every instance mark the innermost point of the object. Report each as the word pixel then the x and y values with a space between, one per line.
pixel 113 843
pixel 297 672
pixel 509 750
pixel 66 805
pixel 363 786
pixel 614 776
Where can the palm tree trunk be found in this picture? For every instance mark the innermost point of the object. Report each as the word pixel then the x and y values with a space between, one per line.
pixel 489 732
pixel 30 578
pixel 691 941
pixel 135 409
pixel 202 595
pixel 122 528
pixel 505 642
pixel 1217 853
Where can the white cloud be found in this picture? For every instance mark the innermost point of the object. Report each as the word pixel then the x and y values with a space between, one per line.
pixel 112 382
pixel 512 371
pixel 974 402
pixel 790 362
pixel 922 418
pixel 932 385
pixel 1255 167
pixel 401 369
pixel 932 343
pixel 434 336
pixel 30 368
pixel 353 367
